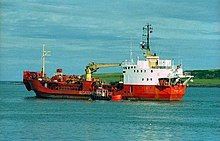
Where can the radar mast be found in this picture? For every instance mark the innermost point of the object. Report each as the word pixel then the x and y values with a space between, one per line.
pixel 145 43
pixel 44 54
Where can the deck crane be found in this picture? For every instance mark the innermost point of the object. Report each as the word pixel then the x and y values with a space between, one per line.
pixel 93 67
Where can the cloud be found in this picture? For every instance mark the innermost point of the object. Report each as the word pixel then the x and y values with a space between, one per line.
pixel 103 31
pixel 186 29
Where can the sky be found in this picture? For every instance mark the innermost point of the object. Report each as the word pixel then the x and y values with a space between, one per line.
pixel 104 31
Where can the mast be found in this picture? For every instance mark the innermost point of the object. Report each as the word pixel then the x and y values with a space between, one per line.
pixel 44 54
pixel 145 43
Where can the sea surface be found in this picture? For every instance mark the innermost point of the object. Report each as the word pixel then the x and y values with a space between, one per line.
pixel 25 117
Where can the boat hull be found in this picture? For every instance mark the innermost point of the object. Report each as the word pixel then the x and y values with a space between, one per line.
pixel 129 92
pixel 44 92
pixel 153 92
pixel 63 96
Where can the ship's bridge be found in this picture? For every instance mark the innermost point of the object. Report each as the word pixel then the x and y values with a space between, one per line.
pixel 150 62
pixel 153 61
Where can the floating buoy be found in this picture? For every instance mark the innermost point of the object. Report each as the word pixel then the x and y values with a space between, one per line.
pixel 117 97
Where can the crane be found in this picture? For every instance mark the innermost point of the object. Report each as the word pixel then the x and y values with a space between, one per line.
pixel 93 67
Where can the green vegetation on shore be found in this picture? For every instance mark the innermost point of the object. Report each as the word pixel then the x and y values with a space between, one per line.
pixel 205 74
pixel 205 83
pixel 109 77
pixel 205 78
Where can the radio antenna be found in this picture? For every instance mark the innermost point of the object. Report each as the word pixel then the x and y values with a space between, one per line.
pixel 44 54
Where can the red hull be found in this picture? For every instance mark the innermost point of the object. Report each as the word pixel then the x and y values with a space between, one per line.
pixel 151 92
pixel 129 92
pixel 42 91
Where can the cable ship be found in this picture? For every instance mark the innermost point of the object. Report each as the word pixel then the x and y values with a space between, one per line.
pixel 148 79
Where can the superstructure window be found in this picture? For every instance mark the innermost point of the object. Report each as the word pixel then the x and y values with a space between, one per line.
pixel 151 71
pixel 142 79
pixel 128 67
pixel 137 70
pixel 145 71
pixel 141 70
pixel 150 79
pixel 131 67
pixel 125 68
pixel 134 70
pixel 147 79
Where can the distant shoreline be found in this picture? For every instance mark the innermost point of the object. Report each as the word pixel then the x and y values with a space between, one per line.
pixel 11 82
pixel 214 86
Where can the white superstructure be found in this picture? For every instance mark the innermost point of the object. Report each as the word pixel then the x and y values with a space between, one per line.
pixel 152 70
pixel 142 73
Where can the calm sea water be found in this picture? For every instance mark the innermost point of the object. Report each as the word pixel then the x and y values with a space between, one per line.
pixel 25 117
